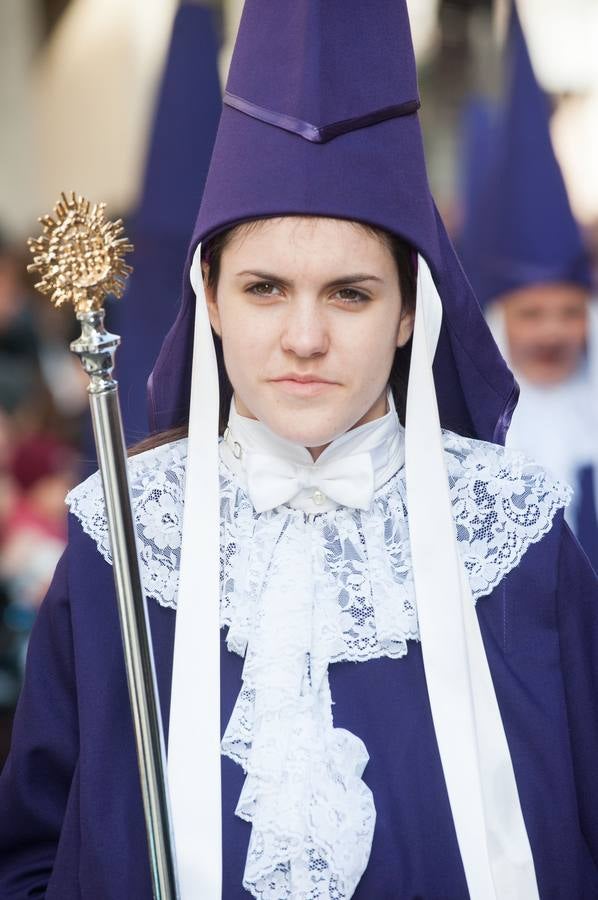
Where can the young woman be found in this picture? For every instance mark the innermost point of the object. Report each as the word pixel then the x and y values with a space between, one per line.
pixel 361 728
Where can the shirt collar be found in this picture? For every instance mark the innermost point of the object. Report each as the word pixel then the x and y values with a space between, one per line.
pixel 382 440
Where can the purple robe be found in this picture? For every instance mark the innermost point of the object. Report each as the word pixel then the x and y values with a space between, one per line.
pixel 71 821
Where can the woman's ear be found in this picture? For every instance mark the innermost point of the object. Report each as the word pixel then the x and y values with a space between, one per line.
pixel 211 300
pixel 405 327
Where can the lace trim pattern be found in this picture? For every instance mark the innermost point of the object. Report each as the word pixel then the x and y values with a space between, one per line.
pixel 157 482
pixel 312 816
pixel 502 503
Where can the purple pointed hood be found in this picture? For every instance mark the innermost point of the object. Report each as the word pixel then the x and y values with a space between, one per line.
pixel 519 229
pixel 320 118
pixel 181 141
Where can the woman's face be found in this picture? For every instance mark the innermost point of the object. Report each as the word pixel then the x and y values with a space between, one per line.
pixel 546 327
pixel 309 313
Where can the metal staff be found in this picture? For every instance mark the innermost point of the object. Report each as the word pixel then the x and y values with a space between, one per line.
pixel 80 258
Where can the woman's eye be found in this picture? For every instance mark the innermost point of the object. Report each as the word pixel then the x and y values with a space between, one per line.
pixel 263 289
pixel 351 295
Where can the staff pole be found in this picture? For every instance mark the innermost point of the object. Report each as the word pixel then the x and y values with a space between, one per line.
pixel 80 258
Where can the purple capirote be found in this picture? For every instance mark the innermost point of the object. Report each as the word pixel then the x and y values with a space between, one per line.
pixel 519 229
pixel 180 146
pixel 319 118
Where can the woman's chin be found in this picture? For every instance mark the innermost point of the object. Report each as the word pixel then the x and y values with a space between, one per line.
pixel 309 435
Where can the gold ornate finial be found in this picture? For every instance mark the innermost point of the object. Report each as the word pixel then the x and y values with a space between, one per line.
pixel 80 254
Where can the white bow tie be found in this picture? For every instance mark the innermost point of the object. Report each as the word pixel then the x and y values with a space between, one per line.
pixel 347 473
pixel 273 480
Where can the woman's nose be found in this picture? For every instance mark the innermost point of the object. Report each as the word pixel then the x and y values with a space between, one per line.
pixel 305 331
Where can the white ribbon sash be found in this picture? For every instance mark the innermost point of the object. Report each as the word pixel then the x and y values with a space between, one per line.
pixel 194 733
pixel 471 739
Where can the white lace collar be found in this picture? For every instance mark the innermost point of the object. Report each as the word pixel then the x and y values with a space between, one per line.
pixel 380 445
pixel 358 565
pixel 490 486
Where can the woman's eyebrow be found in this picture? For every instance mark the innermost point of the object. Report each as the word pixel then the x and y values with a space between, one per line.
pixel 263 276
pixel 353 278
pixel 356 278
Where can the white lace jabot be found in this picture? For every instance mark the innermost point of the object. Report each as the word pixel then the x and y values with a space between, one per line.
pixel 300 591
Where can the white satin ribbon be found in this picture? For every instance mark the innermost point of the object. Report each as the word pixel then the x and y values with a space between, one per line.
pixel 194 733
pixel 475 757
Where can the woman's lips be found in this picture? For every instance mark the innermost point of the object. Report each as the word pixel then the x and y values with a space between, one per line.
pixel 301 387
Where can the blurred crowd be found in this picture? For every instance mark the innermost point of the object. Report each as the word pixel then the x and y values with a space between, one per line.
pixel 43 425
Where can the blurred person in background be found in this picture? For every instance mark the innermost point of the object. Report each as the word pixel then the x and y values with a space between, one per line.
pixel 42 397
pixel 41 383
pixel 8 487
pixel 19 340
pixel 9 644
pixel 19 380
pixel 44 470
pixel 530 268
